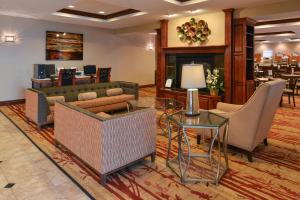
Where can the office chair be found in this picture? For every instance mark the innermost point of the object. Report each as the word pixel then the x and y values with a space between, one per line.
pixel 103 75
pixel 66 77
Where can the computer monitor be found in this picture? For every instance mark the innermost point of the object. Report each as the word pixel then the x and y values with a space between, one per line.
pixel 42 71
pixel 89 69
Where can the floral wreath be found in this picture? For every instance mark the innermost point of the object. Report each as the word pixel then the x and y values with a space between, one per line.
pixel 193 31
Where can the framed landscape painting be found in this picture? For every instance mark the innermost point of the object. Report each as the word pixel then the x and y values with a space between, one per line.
pixel 64 46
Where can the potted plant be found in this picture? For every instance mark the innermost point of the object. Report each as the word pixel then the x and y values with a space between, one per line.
pixel 214 82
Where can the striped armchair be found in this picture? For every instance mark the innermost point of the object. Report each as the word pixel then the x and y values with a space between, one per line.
pixel 106 144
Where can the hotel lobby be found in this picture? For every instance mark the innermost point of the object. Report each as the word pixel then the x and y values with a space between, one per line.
pixel 146 100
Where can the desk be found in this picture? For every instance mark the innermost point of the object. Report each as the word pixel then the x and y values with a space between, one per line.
pixel 47 82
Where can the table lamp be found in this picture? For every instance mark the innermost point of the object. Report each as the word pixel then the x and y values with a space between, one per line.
pixel 192 78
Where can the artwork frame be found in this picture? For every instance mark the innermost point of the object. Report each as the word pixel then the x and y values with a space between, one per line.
pixel 63 46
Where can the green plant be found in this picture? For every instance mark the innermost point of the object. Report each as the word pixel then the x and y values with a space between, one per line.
pixel 213 80
pixel 193 31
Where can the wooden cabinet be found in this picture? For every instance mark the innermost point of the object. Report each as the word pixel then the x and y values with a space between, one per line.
pixel 205 101
pixel 243 60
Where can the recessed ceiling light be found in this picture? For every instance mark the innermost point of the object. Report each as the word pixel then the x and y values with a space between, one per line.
pixel 71 6
pixel 171 15
pixel 101 12
pixel 195 11
pixel 293 39
pixel 185 3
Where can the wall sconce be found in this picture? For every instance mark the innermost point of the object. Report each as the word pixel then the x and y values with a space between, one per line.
pixel 150 47
pixel 10 38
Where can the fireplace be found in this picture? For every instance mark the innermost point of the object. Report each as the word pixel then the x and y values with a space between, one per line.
pixel 174 64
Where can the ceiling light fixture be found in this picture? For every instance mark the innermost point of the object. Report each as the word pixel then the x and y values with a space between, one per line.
pixel 293 39
pixel 10 38
pixel 185 3
pixel 101 12
pixel 171 15
pixel 71 6
pixel 195 11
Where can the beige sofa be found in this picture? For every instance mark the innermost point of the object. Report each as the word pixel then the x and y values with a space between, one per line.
pixel 249 124
pixel 107 143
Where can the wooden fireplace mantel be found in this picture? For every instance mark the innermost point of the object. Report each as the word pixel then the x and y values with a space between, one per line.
pixel 162 50
pixel 196 50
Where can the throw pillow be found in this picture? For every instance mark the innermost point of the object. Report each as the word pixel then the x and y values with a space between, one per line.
pixel 87 96
pixel 51 100
pixel 114 92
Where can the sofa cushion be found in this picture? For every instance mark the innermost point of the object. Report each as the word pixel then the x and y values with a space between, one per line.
pixel 108 108
pixel 51 100
pixel 104 115
pixel 103 101
pixel 114 92
pixel 87 96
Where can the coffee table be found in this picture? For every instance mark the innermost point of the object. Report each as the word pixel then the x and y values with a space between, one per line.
pixel 166 105
pixel 205 120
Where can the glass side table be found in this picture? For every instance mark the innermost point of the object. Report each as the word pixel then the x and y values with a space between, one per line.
pixel 206 120
pixel 166 105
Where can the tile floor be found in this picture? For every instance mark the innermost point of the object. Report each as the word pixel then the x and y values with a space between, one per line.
pixel 31 174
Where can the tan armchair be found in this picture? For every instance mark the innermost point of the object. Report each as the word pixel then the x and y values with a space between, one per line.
pixel 249 124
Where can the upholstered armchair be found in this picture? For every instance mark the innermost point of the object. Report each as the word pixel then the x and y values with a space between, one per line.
pixel 249 124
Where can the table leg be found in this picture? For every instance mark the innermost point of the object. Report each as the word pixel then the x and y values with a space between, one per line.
pixel 219 158
pixel 169 143
pixel 225 142
pixel 183 170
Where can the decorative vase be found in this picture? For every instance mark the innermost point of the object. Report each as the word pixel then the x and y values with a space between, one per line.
pixel 214 91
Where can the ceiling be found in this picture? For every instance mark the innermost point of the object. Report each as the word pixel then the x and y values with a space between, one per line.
pixel 151 10
pixel 294 27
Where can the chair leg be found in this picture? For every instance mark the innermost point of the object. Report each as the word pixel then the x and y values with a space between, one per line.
pixel 266 142
pixel 289 99
pixel 281 101
pixel 103 179
pixel 294 101
pixel 249 156
pixel 198 139
pixel 153 157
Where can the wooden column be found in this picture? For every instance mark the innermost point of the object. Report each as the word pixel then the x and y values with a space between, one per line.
pixel 228 54
pixel 161 42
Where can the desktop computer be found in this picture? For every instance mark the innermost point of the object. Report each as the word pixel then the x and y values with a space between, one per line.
pixel 41 71
pixel 89 69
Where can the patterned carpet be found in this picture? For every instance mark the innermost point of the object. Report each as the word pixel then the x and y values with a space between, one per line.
pixel 274 174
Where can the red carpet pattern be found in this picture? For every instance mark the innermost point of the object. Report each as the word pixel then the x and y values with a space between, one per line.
pixel 274 174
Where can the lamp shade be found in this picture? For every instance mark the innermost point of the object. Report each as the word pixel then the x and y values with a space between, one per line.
pixel 192 76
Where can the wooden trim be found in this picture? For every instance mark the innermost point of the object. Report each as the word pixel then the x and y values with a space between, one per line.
pixel 228 54
pixel 201 49
pixel 246 20
pixel 161 42
pixel 280 21
pixel 11 102
pixel 147 85
pixel 98 16
pixel 276 33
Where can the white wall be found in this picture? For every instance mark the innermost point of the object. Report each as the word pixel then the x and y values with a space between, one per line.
pixel 127 56
pixel 215 21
